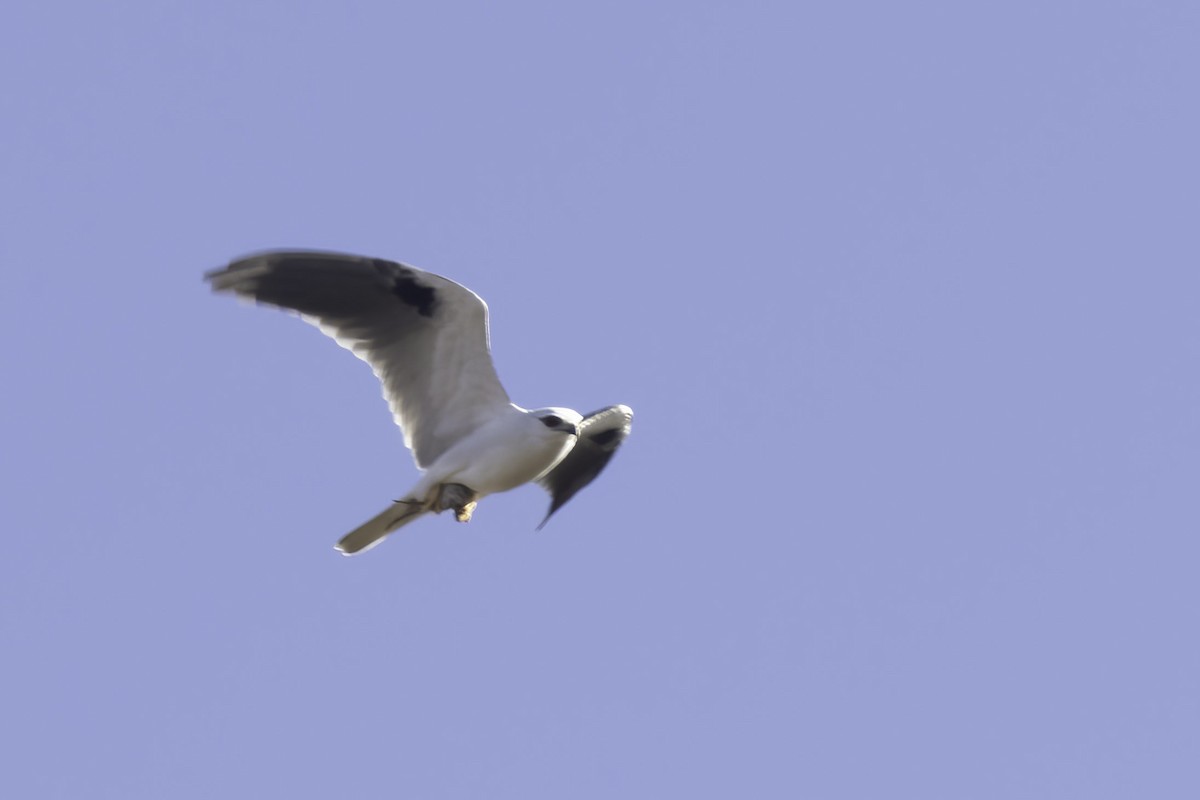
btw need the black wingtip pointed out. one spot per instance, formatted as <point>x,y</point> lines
<point>555,504</point>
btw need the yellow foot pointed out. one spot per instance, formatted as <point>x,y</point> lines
<point>463,514</point>
<point>458,497</point>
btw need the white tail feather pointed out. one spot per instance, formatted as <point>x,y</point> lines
<point>372,532</point>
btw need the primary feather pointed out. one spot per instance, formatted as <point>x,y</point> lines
<point>425,336</point>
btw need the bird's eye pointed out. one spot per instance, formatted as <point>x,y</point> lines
<point>551,421</point>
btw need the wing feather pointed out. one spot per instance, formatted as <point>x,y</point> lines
<point>600,434</point>
<point>424,336</point>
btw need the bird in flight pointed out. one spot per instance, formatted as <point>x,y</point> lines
<point>426,338</point>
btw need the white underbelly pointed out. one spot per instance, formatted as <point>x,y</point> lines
<point>499,458</point>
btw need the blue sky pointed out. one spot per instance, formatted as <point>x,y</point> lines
<point>904,297</point>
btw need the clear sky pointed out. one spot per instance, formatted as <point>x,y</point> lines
<point>905,297</point>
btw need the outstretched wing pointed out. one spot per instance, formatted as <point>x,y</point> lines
<point>600,434</point>
<point>425,337</point>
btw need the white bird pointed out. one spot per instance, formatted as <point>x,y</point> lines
<point>426,339</point>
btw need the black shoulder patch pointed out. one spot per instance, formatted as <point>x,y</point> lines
<point>405,286</point>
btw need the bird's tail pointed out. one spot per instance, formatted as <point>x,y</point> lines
<point>371,532</point>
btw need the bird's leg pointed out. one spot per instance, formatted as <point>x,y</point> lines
<point>462,499</point>
<point>415,506</point>
<point>463,514</point>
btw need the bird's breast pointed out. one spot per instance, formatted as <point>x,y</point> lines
<point>503,456</point>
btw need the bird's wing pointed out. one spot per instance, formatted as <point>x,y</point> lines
<point>425,337</point>
<point>600,434</point>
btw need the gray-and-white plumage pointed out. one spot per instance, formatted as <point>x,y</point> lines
<point>600,434</point>
<point>426,338</point>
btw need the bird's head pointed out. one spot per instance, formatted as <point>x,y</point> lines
<point>563,420</point>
